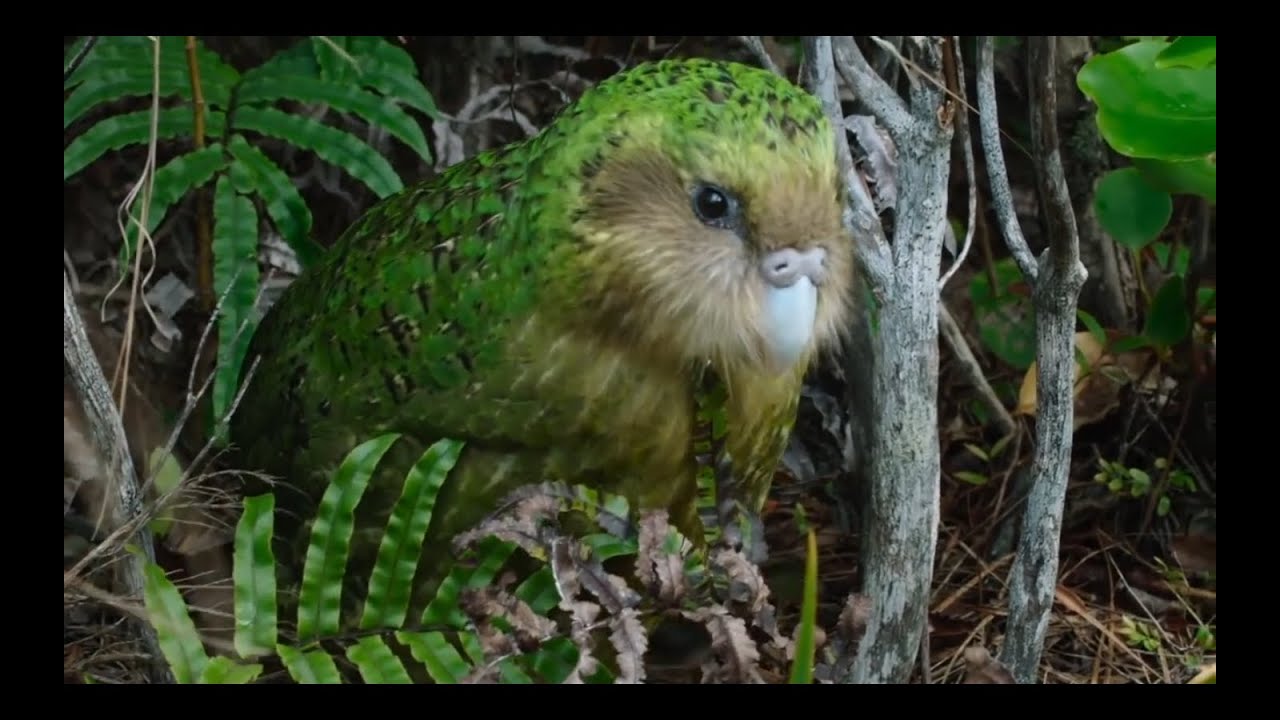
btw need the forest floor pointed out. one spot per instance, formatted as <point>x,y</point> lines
<point>1136,594</point>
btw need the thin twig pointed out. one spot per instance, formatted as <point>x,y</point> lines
<point>997,173</point>
<point>966,142</point>
<point>1056,292</point>
<point>955,340</point>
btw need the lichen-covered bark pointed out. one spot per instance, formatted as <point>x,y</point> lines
<point>1033,579</point>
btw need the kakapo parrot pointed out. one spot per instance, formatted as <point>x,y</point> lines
<point>559,304</point>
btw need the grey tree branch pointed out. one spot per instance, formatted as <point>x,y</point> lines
<point>998,175</point>
<point>860,216</point>
<point>1056,290</point>
<point>902,529</point>
<point>881,99</point>
<point>756,46</point>
<point>109,440</point>
<point>966,142</point>
<point>973,370</point>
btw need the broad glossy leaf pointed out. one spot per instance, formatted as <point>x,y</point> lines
<point>1151,112</point>
<point>1167,320</point>
<point>1193,51</point>
<point>1129,209</point>
<point>1195,177</point>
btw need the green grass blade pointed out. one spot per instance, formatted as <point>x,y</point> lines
<point>319,602</point>
<point>383,112</point>
<point>489,555</point>
<point>443,662</point>
<point>334,146</point>
<point>288,211</point>
<point>175,630</point>
<point>377,664</point>
<point>225,671</point>
<point>173,181</point>
<point>254,573</point>
<point>235,266</point>
<point>133,128</point>
<point>802,666</point>
<point>392,577</point>
<point>311,668</point>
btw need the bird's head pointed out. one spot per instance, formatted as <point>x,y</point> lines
<point>705,203</point>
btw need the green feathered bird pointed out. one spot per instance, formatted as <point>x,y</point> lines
<point>559,305</point>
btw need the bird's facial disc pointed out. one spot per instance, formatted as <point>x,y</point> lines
<point>791,280</point>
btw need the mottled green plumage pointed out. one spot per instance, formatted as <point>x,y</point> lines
<point>556,305</point>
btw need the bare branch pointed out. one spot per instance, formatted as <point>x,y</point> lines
<point>900,537</point>
<point>1034,575</point>
<point>972,370</point>
<point>756,46</point>
<point>861,218</point>
<point>998,175</point>
<point>110,442</point>
<point>881,99</point>
<point>966,142</point>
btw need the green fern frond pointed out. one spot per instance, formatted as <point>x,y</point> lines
<point>314,667</point>
<point>382,112</point>
<point>235,266</point>
<point>334,146</point>
<point>442,660</point>
<point>284,204</point>
<point>134,128</point>
<point>225,671</point>
<point>121,67</point>
<point>377,664</point>
<point>391,580</point>
<point>392,72</point>
<point>254,574</point>
<point>319,603</point>
<point>175,630</point>
<point>173,180</point>
<point>479,566</point>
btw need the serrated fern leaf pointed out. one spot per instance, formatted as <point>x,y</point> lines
<point>319,602</point>
<point>487,558</point>
<point>335,60</point>
<point>175,631</point>
<point>134,54</point>
<point>235,266</point>
<point>377,664</point>
<point>383,112</point>
<point>555,659</point>
<point>441,659</point>
<point>334,146</point>
<point>392,577</point>
<point>298,59</point>
<point>314,667</point>
<point>111,85</point>
<point>391,71</point>
<point>172,181</point>
<point>225,671</point>
<point>254,573</point>
<point>133,128</point>
<point>288,211</point>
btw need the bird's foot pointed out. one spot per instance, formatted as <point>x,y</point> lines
<point>743,530</point>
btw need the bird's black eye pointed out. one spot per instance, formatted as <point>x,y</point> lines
<point>711,204</point>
